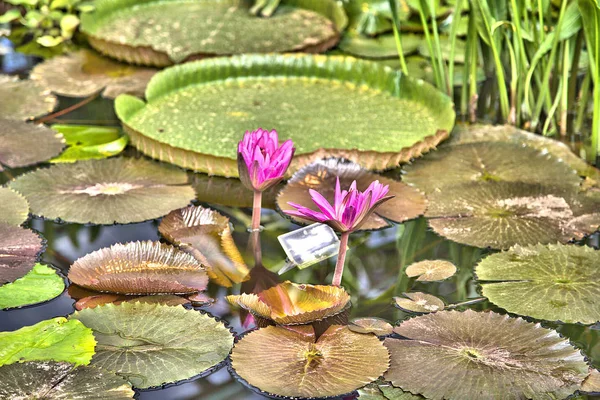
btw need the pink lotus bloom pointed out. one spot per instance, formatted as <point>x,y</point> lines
<point>262,162</point>
<point>350,209</point>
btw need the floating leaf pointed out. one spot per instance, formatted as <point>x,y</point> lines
<point>87,142</point>
<point>288,92</point>
<point>116,299</point>
<point>491,355</point>
<point>84,73</point>
<point>552,282</point>
<point>291,303</point>
<point>54,339</point>
<point>23,144</point>
<point>152,344</point>
<point>139,268</point>
<point>116,190</point>
<point>592,382</point>
<point>321,176</point>
<point>385,391</point>
<point>206,235</point>
<point>59,381</point>
<point>19,250</point>
<point>502,214</point>
<point>417,302</point>
<point>162,33</point>
<point>28,99</point>
<point>40,284</point>
<point>336,363</point>
<point>14,209</point>
<point>431,270</point>
<point>382,46</point>
<point>377,326</point>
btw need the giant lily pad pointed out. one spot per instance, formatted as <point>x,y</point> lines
<point>121,190</point>
<point>291,303</point>
<point>206,235</point>
<point>162,33</point>
<point>431,270</point>
<point>83,73</point>
<point>336,363</point>
<point>59,381</point>
<point>491,355</point>
<point>19,250</point>
<point>553,282</point>
<point>23,144</point>
<point>88,142</point>
<point>28,99</point>
<point>40,284</point>
<point>152,344</point>
<point>14,209</point>
<point>139,268</point>
<point>321,176</point>
<point>394,118</point>
<point>54,339</point>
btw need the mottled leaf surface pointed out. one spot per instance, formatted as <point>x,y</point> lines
<point>376,326</point>
<point>23,143</point>
<point>19,250</point>
<point>28,99</point>
<point>40,284</point>
<point>431,270</point>
<point>14,209</point>
<point>417,302</point>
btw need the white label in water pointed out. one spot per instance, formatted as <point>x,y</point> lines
<point>309,245</point>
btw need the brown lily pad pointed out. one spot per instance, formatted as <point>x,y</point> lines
<point>139,268</point>
<point>336,363</point>
<point>376,326</point>
<point>408,203</point>
<point>206,235</point>
<point>417,302</point>
<point>14,209</point>
<point>19,251</point>
<point>592,382</point>
<point>102,299</point>
<point>431,270</point>
<point>28,99</point>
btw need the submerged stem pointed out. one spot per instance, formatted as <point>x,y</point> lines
<point>339,266</point>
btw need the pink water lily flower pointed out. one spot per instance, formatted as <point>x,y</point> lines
<point>262,162</point>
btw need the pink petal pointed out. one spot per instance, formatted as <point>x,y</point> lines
<point>322,203</point>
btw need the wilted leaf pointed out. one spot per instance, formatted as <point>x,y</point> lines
<point>61,381</point>
<point>431,270</point>
<point>206,235</point>
<point>28,99</point>
<point>407,203</point>
<point>54,339</point>
<point>376,326</point>
<point>338,362</point>
<point>552,282</point>
<point>14,209</point>
<point>19,250</point>
<point>83,73</point>
<point>139,268</point>
<point>152,344</point>
<point>40,284</point>
<point>417,302</point>
<point>87,142</point>
<point>489,354</point>
<point>116,190</point>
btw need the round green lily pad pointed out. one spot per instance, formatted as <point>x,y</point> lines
<point>552,282</point>
<point>417,302</point>
<point>154,344</point>
<point>165,32</point>
<point>83,73</point>
<point>28,99</point>
<point>185,121</point>
<point>463,355</point>
<point>59,381</point>
<point>40,284</point>
<point>14,209</point>
<point>115,190</point>
<point>20,248</point>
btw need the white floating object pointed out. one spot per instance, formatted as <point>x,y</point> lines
<point>309,245</point>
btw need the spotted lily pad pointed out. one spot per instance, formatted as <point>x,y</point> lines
<point>291,303</point>
<point>84,73</point>
<point>408,203</point>
<point>377,326</point>
<point>552,282</point>
<point>23,144</point>
<point>40,284</point>
<point>162,33</point>
<point>14,209</point>
<point>417,302</point>
<point>58,381</point>
<point>139,268</point>
<point>403,117</point>
<point>206,235</point>
<point>19,250</point>
<point>336,363</point>
<point>153,344</point>
<point>380,47</point>
<point>54,339</point>
<point>116,190</point>
<point>88,142</point>
<point>489,354</point>
<point>431,270</point>
<point>28,99</point>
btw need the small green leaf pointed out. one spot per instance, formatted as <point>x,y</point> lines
<point>87,142</point>
<point>49,41</point>
<point>40,284</point>
<point>68,24</point>
<point>9,16</point>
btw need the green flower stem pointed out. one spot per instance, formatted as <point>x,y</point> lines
<point>339,266</point>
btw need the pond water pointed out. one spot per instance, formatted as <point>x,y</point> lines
<point>371,276</point>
